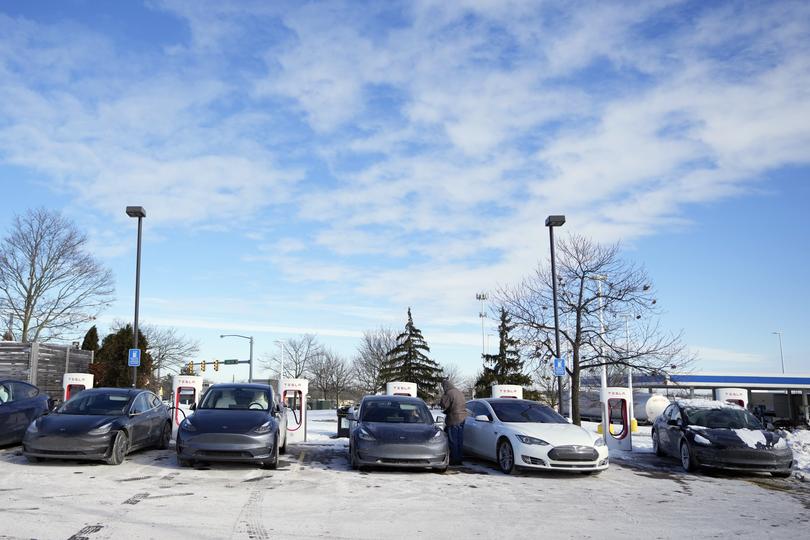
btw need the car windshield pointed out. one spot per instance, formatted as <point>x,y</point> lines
<point>396,412</point>
<point>96,403</point>
<point>725,417</point>
<point>235,398</point>
<point>526,411</point>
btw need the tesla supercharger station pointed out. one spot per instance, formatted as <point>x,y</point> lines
<point>507,391</point>
<point>73,383</point>
<point>294,395</point>
<point>738,396</point>
<point>616,401</point>
<point>398,388</point>
<point>186,391</point>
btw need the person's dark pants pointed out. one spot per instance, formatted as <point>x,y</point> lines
<point>455,435</point>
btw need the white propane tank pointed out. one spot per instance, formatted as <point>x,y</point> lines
<point>398,388</point>
<point>513,391</point>
<point>655,407</point>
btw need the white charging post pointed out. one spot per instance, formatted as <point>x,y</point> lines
<point>513,391</point>
<point>186,391</point>
<point>737,396</point>
<point>294,397</point>
<point>617,399</point>
<point>73,383</point>
<point>398,388</point>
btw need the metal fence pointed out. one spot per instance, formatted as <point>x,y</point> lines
<point>42,364</point>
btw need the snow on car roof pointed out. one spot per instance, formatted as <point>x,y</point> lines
<point>706,404</point>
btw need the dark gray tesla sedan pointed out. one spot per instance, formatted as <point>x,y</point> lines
<point>234,422</point>
<point>397,431</point>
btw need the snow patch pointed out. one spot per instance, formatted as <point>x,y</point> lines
<point>707,404</point>
<point>799,442</point>
<point>754,438</point>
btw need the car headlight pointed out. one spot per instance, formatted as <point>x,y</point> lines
<point>264,428</point>
<point>187,425</point>
<point>365,435</point>
<point>599,442</point>
<point>32,427</point>
<point>525,439</point>
<point>700,439</point>
<point>101,430</point>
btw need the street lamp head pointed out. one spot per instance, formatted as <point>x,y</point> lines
<point>136,211</point>
<point>555,221</point>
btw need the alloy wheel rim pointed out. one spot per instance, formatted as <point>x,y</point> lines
<point>684,456</point>
<point>506,457</point>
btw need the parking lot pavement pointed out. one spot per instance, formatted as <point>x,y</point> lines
<point>314,494</point>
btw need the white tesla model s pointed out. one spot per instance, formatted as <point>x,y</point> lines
<point>523,433</point>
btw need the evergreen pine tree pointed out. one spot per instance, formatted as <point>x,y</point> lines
<point>408,362</point>
<point>505,367</point>
<point>111,359</point>
<point>90,342</point>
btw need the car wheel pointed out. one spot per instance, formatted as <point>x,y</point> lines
<point>506,457</point>
<point>272,463</point>
<point>283,448</point>
<point>781,474</point>
<point>353,459</point>
<point>687,459</point>
<point>657,445</point>
<point>119,449</point>
<point>165,437</point>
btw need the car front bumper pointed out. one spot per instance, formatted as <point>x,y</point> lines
<point>561,458</point>
<point>225,446</point>
<point>91,447</point>
<point>405,455</point>
<point>744,459</point>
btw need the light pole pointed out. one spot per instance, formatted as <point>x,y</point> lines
<point>627,318</point>
<point>281,370</point>
<point>140,213</point>
<point>781,354</point>
<point>482,296</point>
<point>599,278</point>
<point>551,222</point>
<point>250,360</point>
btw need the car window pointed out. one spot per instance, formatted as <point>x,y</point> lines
<point>16,391</point>
<point>477,408</point>
<point>724,417</point>
<point>141,404</point>
<point>96,403</point>
<point>667,411</point>
<point>675,413</point>
<point>526,411</point>
<point>154,401</point>
<point>237,398</point>
<point>396,412</point>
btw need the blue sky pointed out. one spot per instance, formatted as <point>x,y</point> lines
<point>319,167</point>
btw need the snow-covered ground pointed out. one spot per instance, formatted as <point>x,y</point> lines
<point>315,494</point>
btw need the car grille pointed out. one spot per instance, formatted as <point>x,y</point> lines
<point>573,453</point>
<point>222,454</point>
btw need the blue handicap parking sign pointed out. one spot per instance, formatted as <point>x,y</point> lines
<point>134,358</point>
<point>559,367</point>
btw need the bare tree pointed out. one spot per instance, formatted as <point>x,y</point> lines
<point>298,353</point>
<point>453,373</point>
<point>319,375</point>
<point>371,356</point>
<point>169,349</point>
<point>592,325</point>
<point>49,282</point>
<point>341,374</point>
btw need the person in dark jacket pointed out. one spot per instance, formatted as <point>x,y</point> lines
<point>455,410</point>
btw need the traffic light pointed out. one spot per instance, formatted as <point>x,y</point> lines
<point>216,365</point>
<point>202,365</point>
<point>191,367</point>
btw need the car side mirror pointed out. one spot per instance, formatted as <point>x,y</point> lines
<point>482,418</point>
<point>671,422</point>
